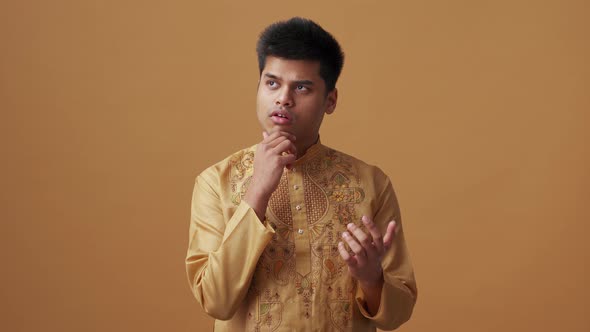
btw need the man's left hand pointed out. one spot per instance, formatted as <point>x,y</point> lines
<point>369,249</point>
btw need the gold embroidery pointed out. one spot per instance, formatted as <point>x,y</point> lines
<point>330,185</point>
<point>241,168</point>
<point>315,200</point>
<point>279,202</point>
<point>268,312</point>
<point>277,262</point>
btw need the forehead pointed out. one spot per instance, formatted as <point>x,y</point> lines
<point>292,70</point>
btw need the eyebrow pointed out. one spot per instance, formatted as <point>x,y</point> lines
<point>302,82</point>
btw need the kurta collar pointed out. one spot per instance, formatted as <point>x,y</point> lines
<point>312,151</point>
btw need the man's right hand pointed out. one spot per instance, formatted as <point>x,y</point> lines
<point>273,154</point>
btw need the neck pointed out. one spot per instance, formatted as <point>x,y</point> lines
<point>304,146</point>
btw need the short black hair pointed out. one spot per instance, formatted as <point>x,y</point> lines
<point>302,39</point>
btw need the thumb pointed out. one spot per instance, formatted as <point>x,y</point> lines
<point>264,134</point>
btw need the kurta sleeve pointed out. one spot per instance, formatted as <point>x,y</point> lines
<point>399,292</point>
<point>222,251</point>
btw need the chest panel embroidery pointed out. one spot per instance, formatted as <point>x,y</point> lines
<point>332,192</point>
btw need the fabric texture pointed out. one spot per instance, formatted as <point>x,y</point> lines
<point>285,273</point>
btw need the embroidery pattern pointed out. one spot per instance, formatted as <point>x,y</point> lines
<point>277,262</point>
<point>242,166</point>
<point>315,199</point>
<point>334,173</point>
<point>341,309</point>
<point>268,312</point>
<point>279,202</point>
<point>305,289</point>
<point>335,176</point>
<point>332,265</point>
<point>332,193</point>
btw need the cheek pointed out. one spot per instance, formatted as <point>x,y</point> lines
<point>264,99</point>
<point>313,109</point>
<point>261,101</point>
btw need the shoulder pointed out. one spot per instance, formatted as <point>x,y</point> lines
<point>236,164</point>
<point>363,168</point>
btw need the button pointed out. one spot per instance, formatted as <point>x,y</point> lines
<point>295,187</point>
<point>300,231</point>
<point>293,169</point>
<point>298,207</point>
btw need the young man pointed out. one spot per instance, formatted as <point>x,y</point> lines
<point>290,235</point>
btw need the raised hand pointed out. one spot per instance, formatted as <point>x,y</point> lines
<point>273,154</point>
<point>368,251</point>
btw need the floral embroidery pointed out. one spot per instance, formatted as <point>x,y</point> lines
<point>340,313</point>
<point>341,308</point>
<point>268,311</point>
<point>305,289</point>
<point>277,262</point>
<point>242,166</point>
<point>332,193</point>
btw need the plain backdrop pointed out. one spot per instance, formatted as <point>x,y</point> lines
<point>477,110</point>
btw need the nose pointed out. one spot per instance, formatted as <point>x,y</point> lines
<point>284,98</point>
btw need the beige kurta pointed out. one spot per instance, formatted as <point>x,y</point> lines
<point>285,273</point>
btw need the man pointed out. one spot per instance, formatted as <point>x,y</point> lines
<point>290,235</point>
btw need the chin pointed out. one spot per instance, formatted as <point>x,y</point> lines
<point>271,128</point>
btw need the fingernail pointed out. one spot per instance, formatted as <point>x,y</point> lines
<point>345,234</point>
<point>365,219</point>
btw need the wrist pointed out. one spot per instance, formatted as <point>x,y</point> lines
<point>257,201</point>
<point>372,285</point>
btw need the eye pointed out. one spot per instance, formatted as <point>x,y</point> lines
<point>272,84</point>
<point>301,88</point>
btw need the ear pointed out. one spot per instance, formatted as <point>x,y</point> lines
<point>331,101</point>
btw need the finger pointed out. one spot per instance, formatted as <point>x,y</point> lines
<point>365,240</point>
<point>285,146</point>
<point>274,135</point>
<point>270,137</point>
<point>357,249</point>
<point>349,259</point>
<point>264,135</point>
<point>274,143</point>
<point>288,135</point>
<point>389,234</point>
<point>287,160</point>
<point>375,233</point>
<point>277,141</point>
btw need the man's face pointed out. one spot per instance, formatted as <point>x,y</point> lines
<point>292,97</point>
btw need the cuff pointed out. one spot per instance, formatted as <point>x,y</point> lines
<point>394,307</point>
<point>245,215</point>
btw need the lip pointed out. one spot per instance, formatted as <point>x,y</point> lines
<point>281,117</point>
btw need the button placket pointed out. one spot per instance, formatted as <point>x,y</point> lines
<point>302,245</point>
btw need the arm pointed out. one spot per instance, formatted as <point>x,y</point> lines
<point>222,255</point>
<point>398,292</point>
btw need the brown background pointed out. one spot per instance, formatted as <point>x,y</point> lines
<point>478,110</point>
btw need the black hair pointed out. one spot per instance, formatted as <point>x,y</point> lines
<point>302,39</point>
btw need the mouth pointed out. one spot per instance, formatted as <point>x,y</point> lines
<point>281,114</point>
<point>281,117</point>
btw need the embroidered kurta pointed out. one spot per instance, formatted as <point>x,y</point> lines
<point>285,273</point>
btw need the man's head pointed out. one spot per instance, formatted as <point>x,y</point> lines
<point>299,65</point>
<point>302,39</point>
